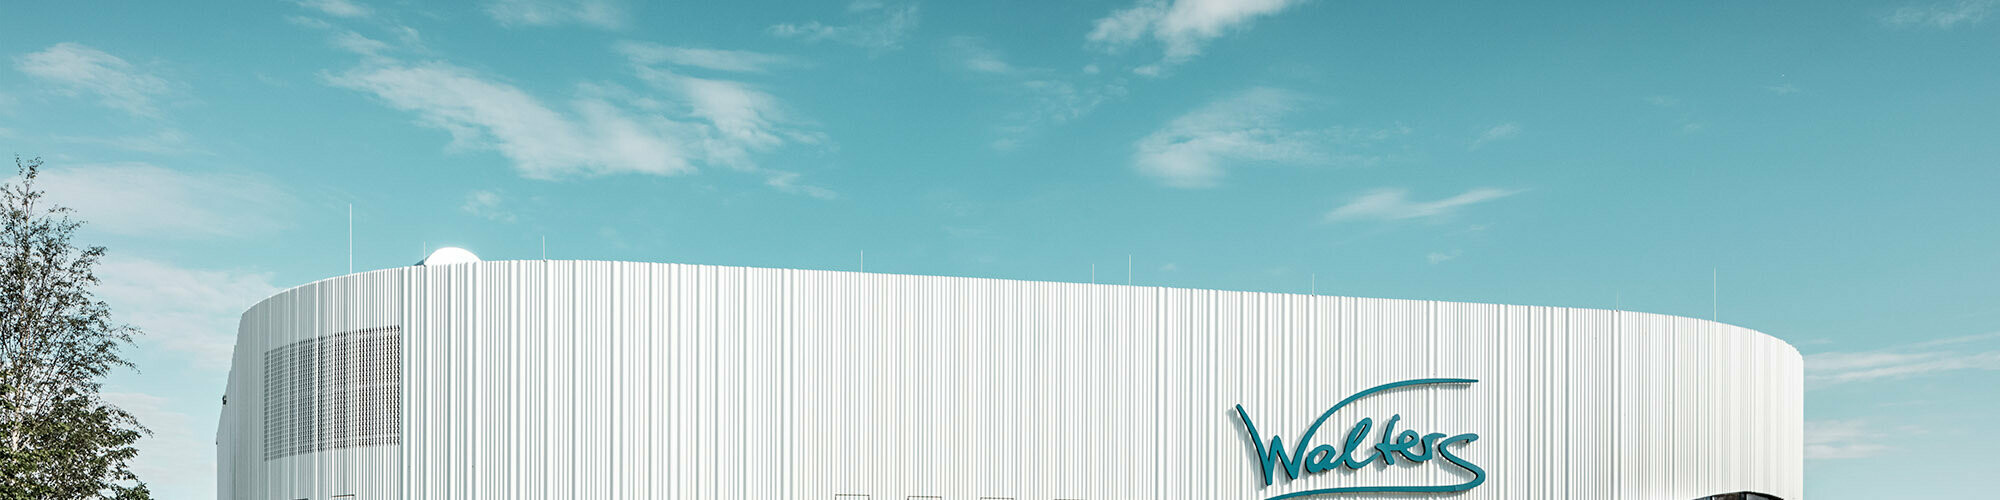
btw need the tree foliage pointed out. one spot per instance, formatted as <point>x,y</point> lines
<point>57,343</point>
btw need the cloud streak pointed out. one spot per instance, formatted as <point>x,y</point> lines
<point>1196,149</point>
<point>486,204</point>
<point>599,13</point>
<point>1051,99</point>
<point>1395,204</point>
<point>591,137</point>
<point>1955,354</point>
<point>880,28</point>
<point>141,199</point>
<point>1181,27</point>
<point>338,8</point>
<point>74,69</point>
<point>681,125</point>
<point>176,458</point>
<point>191,311</point>
<point>741,61</point>
<point>1498,133</point>
<point>1841,439</point>
<point>1946,15</point>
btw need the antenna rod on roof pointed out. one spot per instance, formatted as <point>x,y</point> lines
<point>545,247</point>
<point>350,238</point>
<point>1315,285</point>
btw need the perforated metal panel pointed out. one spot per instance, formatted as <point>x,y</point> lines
<point>339,391</point>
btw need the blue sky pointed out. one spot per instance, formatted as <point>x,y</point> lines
<point>1832,163</point>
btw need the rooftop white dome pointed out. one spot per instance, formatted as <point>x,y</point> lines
<point>448,256</point>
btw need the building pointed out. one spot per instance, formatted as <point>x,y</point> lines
<point>596,380</point>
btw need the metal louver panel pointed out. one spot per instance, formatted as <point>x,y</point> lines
<point>594,380</point>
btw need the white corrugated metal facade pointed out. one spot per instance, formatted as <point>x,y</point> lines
<point>594,380</point>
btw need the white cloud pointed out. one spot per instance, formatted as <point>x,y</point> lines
<point>486,203</point>
<point>741,120</point>
<point>1972,352</point>
<point>1182,27</point>
<point>882,28</point>
<point>604,129</point>
<point>1051,98</point>
<point>789,182</point>
<point>1838,439</point>
<point>337,8</point>
<point>358,44</point>
<point>972,55</point>
<point>600,13</point>
<point>594,137</point>
<point>1945,15</point>
<point>1439,257</point>
<point>176,459</point>
<point>192,311</point>
<point>309,22</point>
<point>78,69</point>
<point>146,200</point>
<point>647,53</point>
<point>1395,204</point>
<point>164,142</point>
<point>1195,149</point>
<point>1499,132</point>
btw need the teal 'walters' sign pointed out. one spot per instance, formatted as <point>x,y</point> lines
<point>1414,447</point>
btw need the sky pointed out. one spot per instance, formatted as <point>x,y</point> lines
<point>1823,171</point>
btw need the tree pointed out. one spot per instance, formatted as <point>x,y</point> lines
<point>57,343</point>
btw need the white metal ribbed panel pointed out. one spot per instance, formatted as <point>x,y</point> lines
<point>576,379</point>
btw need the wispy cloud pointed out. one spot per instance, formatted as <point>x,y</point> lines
<point>1945,15</point>
<point>1499,132</point>
<point>971,54</point>
<point>146,200</point>
<point>1436,258</point>
<point>1955,354</point>
<point>1182,27</point>
<point>790,182</point>
<point>75,69</point>
<point>648,53</point>
<point>739,119</point>
<point>338,8</point>
<point>191,311</point>
<point>1395,204</point>
<point>487,204</point>
<point>606,14</point>
<point>359,44</point>
<point>1195,149</point>
<point>878,27</point>
<point>176,458</point>
<point>594,137</point>
<point>1839,439</point>
<point>1051,98</point>
<point>169,141</point>
<point>682,124</point>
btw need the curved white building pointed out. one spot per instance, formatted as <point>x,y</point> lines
<point>598,380</point>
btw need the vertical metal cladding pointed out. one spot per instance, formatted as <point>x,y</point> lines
<point>572,379</point>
